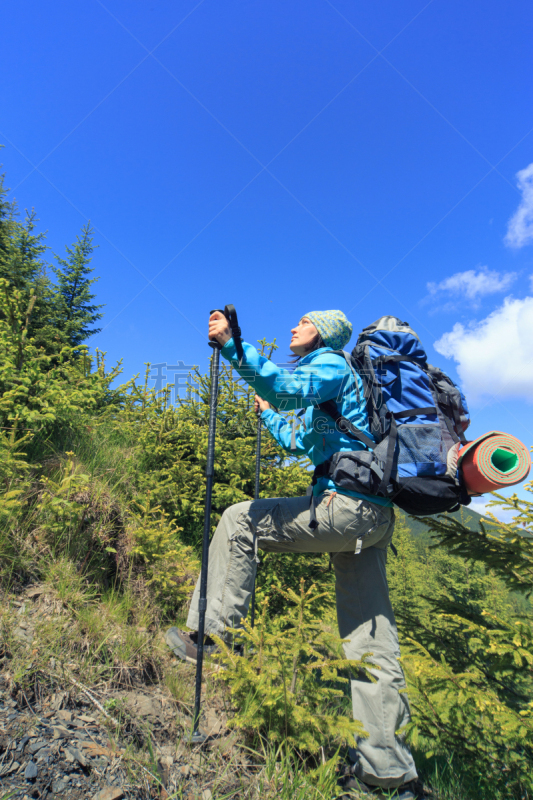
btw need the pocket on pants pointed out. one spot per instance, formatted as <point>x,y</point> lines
<point>370,524</point>
<point>269,523</point>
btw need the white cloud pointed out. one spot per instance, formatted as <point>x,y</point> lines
<point>494,356</point>
<point>520,226</point>
<point>480,504</point>
<point>472,284</point>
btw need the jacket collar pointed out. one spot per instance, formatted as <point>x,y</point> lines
<point>310,356</point>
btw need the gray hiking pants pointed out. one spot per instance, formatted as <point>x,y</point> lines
<point>358,533</point>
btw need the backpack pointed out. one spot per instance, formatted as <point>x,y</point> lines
<point>417,417</point>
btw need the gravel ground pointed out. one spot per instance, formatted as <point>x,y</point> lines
<point>67,750</point>
<point>102,743</point>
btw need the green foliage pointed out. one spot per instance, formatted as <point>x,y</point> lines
<point>75,312</point>
<point>460,712</point>
<point>170,567</point>
<point>63,312</point>
<point>55,399</point>
<point>468,647</point>
<point>38,390</point>
<point>287,688</point>
<point>110,637</point>
<point>66,514</point>
<point>72,518</point>
<point>286,776</point>
<point>60,514</point>
<point>279,572</point>
<point>20,250</point>
<point>41,394</point>
<point>503,548</point>
<point>23,267</point>
<point>14,471</point>
<point>13,466</point>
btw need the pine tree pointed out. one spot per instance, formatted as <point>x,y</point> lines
<point>62,314</point>
<point>21,249</point>
<point>22,266</point>
<point>7,214</point>
<point>75,311</point>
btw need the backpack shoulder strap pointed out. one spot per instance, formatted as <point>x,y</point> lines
<point>344,424</point>
<point>445,393</point>
<point>356,376</point>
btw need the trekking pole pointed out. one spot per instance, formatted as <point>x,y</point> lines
<point>256,497</point>
<point>231,315</point>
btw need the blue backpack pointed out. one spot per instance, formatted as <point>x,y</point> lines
<point>417,415</point>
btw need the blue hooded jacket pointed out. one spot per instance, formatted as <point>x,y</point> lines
<point>321,375</point>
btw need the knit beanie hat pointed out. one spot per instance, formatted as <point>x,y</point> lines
<point>333,327</point>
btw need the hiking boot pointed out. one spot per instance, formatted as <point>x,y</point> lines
<point>354,783</point>
<point>185,645</point>
<point>412,790</point>
<point>407,791</point>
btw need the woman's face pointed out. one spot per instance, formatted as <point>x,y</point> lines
<point>303,337</point>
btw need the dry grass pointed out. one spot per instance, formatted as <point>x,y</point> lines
<point>60,639</point>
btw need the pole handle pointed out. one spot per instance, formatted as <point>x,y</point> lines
<point>213,343</point>
<point>231,315</point>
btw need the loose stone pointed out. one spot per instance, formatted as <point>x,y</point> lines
<point>31,771</point>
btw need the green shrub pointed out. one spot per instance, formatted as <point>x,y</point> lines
<point>288,687</point>
<point>170,567</point>
<point>74,517</point>
<point>39,389</point>
<point>279,572</point>
<point>468,648</point>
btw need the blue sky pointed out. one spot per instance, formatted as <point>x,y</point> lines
<point>287,157</point>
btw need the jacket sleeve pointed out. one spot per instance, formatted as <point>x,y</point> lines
<point>308,385</point>
<point>281,430</point>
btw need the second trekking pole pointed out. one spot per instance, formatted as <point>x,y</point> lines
<point>256,497</point>
<point>231,315</point>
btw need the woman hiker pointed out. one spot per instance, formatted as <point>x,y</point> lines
<point>356,529</point>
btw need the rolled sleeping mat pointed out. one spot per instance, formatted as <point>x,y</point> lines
<point>493,461</point>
